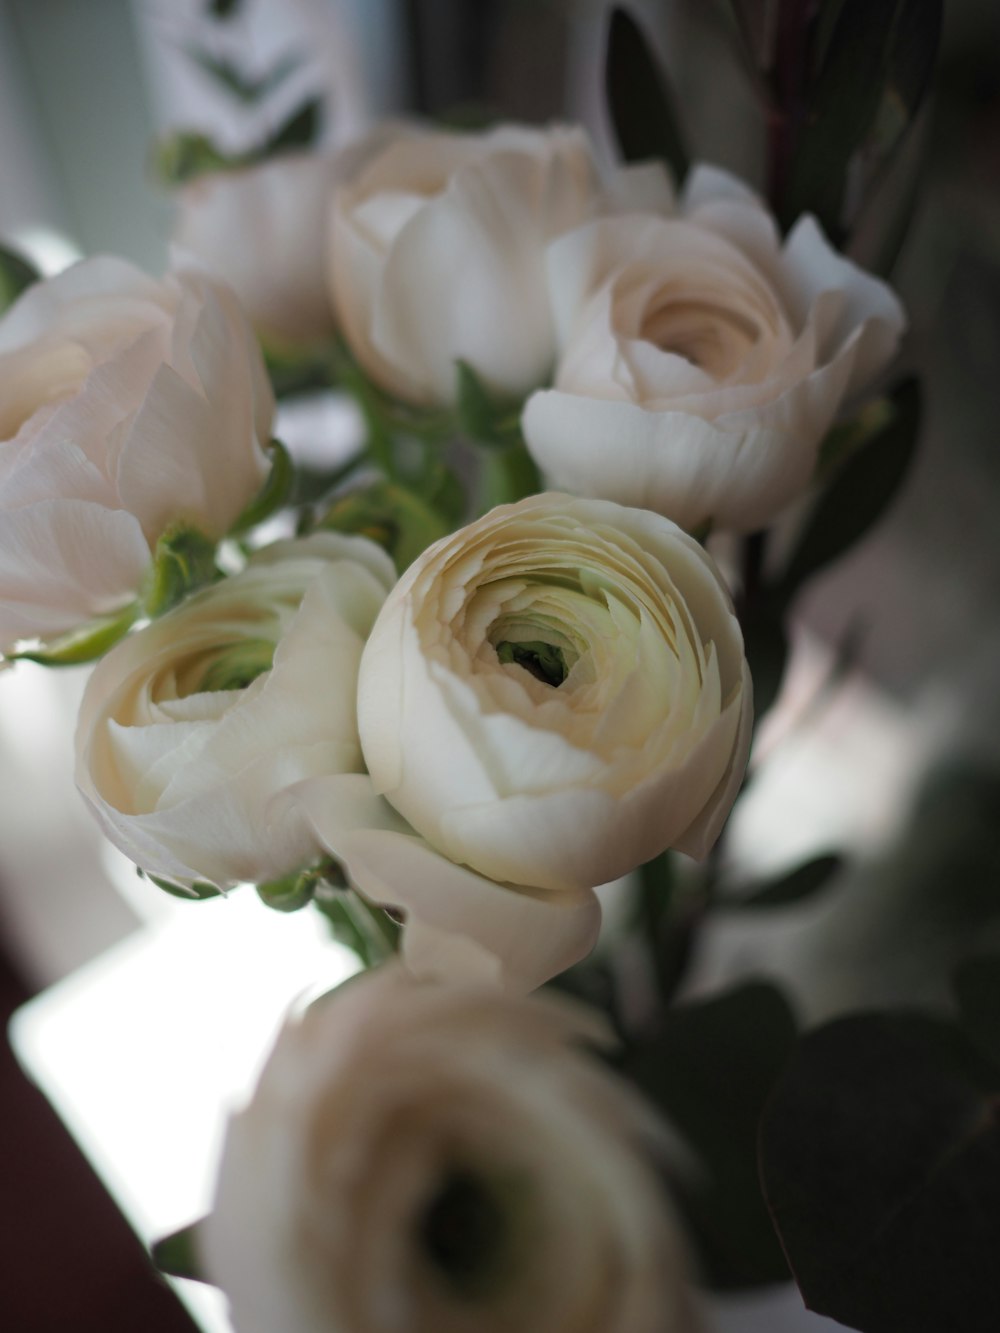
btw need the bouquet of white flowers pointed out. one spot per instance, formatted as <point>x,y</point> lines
<point>511,652</point>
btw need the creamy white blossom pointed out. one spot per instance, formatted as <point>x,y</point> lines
<point>193,727</point>
<point>557,693</point>
<point>263,229</point>
<point>437,244</point>
<point>127,405</point>
<point>438,1159</point>
<point>701,359</point>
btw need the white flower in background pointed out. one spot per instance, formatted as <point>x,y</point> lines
<point>126,406</point>
<point>702,360</point>
<point>557,693</point>
<point>263,228</point>
<point>437,244</point>
<point>191,727</point>
<point>435,1159</point>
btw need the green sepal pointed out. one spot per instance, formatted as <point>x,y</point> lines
<point>177,1254</point>
<point>390,515</point>
<point>292,892</point>
<point>183,561</point>
<point>272,495</point>
<point>199,891</point>
<point>85,644</point>
<point>482,417</point>
<point>16,275</point>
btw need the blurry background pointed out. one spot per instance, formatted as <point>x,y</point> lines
<point>901,762</point>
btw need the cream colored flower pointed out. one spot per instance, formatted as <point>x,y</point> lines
<point>437,245</point>
<point>193,727</point>
<point>263,230</point>
<point>701,361</point>
<point>432,1159</point>
<point>126,406</point>
<point>557,693</point>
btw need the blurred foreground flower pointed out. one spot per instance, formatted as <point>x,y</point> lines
<point>435,1159</point>
<point>191,727</point>
<point>263,229</point>
<point>702,361</point>
<point>557,693</point>
<point>127,407</point>
<point>437,244</point>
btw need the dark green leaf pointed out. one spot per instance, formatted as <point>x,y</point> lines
<point>639,100</point>
<point>710,1069</point>
<point>249,89</point>
<point>85,644</point>
<point>273,493</point>
<point>859,492</point>
<point>977,988</point>
<point>880,1159</point>
<point>300,130</point>
<point>177,1254</point>
<point>16,274</point>
<point>878,55</point>
<point>766,645</point>
<point>795,886</point>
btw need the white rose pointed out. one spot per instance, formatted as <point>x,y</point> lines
<point>191,728</point>
<point>432,1159</point>
<point>263,229</point>
<point>557,693</point>
<point>437,245</point>
<point>701,361</point>
<point>126,406</point>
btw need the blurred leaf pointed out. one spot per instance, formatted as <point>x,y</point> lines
<point>183,155</point>
<point>300,130</point>
<point>177,1254</point>
<point>858,493</point>
<point>977,988</point>
<point>272,495</point>
<point>197,892</point>
<point>640,102</point>
<point>16,274</point>
<point>390,515</point>
<point>480,416</point>
<point>880,1159</point>
<point>248,88</point>
<point>766,644</point>
<point>710,1069</point>
<point>85,644</point>
<point>878,55</point>
<point>796,885</point>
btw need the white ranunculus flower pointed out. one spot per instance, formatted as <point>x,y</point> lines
<point>557,693</point>
<point>437,244</point>
<point>702,360</point>
<point>126,406</point>
<point>439,1159</point>
<point>263,229</point>
<point>193,727</point>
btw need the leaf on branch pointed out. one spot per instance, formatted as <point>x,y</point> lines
<point>795,886</point>
<point>880,1159</point>
<point>177,1254</point>
<point>710,1070</point>
<point>249,89</point>
<point>859,493</point>
<point>16,274</point>
<point>639,99</point>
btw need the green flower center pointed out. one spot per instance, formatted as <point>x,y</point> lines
<point>545,661</point>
